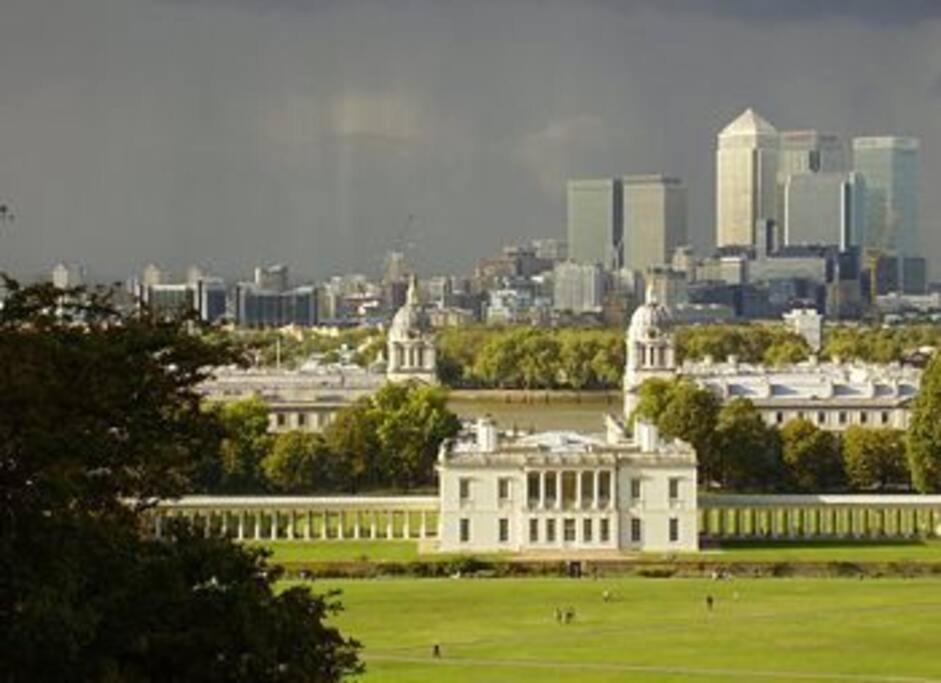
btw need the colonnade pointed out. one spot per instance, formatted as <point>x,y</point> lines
<point>579,489</point>
<point>312,519</point>
<point>835,521</point>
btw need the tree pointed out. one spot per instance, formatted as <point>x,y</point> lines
<point>924,431</point>
<point>245,444</point>
<point>301,462</point>
<point>748,452</point>
<point>392,437</point>
<point>413,420</point>
<point>99,417</point>
<point>352,437</point>
<point>691,415</point>
<point>812,456</point>
<point>653,397</point>
<point>874,458</point>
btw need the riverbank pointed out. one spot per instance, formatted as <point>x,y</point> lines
<point>536,396</point>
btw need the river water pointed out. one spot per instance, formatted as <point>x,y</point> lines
<point>540,412</point>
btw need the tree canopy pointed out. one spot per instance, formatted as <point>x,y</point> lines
<point>99,417</point>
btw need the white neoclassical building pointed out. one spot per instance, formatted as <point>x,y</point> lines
<point>411,344</point>
<point>557,491</point>
<point>832,395</point>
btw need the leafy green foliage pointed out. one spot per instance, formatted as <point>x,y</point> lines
<point>300,462</point>
<point>812,457</point>
<point>772,344</point>
<point>924,431</point>
<point>874,458</point>
<point>392,437</point>
<point>530,358</point>
<point>98,417</point>
<point>747,452</point>
<point>245,444</point>
<point>879,344</point>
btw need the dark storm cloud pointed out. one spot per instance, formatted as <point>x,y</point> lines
<point>870,11</point>
<point>230,132</point>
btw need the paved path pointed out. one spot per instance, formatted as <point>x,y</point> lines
<point>637,669</point>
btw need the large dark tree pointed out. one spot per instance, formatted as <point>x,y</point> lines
<point>747,451</point>
<point>99,417</point>
<point>812,457</point>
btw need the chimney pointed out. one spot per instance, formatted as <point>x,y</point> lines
<point>646,436</point>
<point>486,435</point>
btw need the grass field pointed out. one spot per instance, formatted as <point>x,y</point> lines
<point>651,630</point>
<point>405,551</point>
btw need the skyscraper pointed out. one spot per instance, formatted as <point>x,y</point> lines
<point>810,151</point>
<point>823,208</point>
<point>889,166</point>
<point>654,215</point>
<point>746,178</point>
<point>595,224</point>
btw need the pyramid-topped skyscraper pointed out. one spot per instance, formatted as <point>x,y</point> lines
<point>746,178</point>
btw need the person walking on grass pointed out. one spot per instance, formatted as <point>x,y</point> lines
<point>710,601</point>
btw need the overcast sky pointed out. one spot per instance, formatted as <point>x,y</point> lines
<point>232,132</point>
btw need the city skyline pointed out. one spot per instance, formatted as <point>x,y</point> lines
<point>232,133</point>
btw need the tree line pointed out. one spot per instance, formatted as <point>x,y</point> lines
<point>738,451</point>
<point>388,440</point>
<point>530,358</point>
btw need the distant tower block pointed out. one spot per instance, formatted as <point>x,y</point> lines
<point>411,345</point>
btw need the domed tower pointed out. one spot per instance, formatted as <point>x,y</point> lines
<point>650,349</point>
<point>411,345</point>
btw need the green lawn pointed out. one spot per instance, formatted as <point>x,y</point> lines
<point>652,630</point>
<point>404,551</point>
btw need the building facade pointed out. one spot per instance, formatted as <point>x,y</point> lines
<point>654,215</point>
<point>746,178</point>
<point>889,166</point>
<point>833,395</point>
<point>823,208</point>
<point>595,224</point>
<point>557,491</point>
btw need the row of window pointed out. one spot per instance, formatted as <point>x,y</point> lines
<point>863,417</point>
<point>504,487</point>
<point>302,420</point>
<point>545,530</point>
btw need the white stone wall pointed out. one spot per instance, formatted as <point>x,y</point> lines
<point>655,508</point>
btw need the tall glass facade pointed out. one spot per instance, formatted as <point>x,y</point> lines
<point>889,166</point>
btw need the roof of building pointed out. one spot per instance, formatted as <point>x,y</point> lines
<point>749,122</point>
<point>808,381</point>
<point>411,319</point>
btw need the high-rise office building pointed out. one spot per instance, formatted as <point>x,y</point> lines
<point>823,208</point>
<point>746,178</point>
<point>273,277</point>
<point>211,298</point>
<point>654,214</point>
<point>595,224</point>
<point>889,166</point>
<point>810,151</point>
<point>257,307</point>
